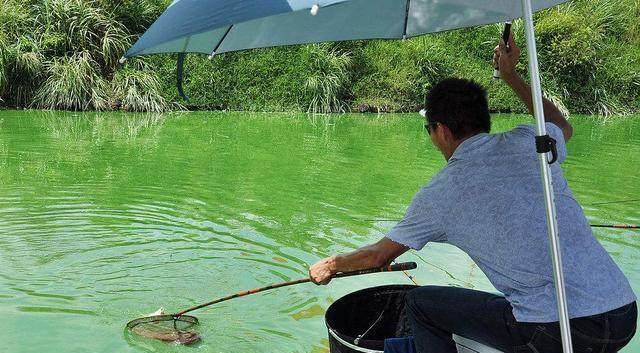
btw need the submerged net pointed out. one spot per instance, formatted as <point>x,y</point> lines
<point>167,328</point>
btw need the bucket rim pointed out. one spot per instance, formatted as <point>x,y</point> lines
<point>408,287</point>
<point>351,345</point>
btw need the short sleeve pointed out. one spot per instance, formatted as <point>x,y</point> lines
<point>420,224</point>
<point>556,133</point>
<point>553,130</point>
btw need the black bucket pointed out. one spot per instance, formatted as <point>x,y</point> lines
<point>361,321</point>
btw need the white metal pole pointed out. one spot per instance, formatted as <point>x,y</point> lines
<point>545,170</point>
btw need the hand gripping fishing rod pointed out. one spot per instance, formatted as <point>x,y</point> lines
<point>505,38</point>
<point>393,268</point>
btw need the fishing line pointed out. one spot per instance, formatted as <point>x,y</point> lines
<point>614,226</point>
<point>407,274</point>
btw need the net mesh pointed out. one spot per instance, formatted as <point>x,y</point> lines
<point>167,328</point>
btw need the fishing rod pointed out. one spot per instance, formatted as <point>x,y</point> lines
<point>405,266</point>
<point>616,226</point>
<point>176,326</point>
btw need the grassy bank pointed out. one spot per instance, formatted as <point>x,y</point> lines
<point>589,55</point>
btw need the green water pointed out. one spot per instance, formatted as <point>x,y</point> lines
<point>105,217</point>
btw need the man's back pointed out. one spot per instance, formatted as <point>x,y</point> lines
<point>488,201</point>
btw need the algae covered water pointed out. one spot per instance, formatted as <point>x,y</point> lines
<point>106,217</point>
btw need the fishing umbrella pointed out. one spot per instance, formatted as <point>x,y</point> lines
<point>218,26</point>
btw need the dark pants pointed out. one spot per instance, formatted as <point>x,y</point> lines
<point>437,312</point>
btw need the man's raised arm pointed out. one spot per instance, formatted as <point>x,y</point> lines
<point>506,60</point>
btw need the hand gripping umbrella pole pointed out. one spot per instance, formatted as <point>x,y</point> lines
<point>178,327</point>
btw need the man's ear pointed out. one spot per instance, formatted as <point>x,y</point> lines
<point>447,135</point>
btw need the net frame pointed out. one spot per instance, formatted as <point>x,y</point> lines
<point>191,320</point>
<point>184,335</point>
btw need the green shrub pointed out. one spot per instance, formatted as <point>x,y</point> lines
<point>585,48</point>
<point>73,83</point>
<point>23,69</point>
<point>394,76</point>
<point>14,18</point>
<point>633,30</point>
<point>135,15</point>
<point>257,80</point>
<point>568,43</point>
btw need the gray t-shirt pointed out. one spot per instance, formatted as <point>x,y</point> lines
<point>488,201</point>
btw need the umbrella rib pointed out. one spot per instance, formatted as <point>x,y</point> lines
<point>406,20</point>
<point>220,42</point>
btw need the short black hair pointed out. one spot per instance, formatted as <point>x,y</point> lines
<point>459,104</point>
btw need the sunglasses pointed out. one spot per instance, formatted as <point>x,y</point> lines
<point>430,126</point>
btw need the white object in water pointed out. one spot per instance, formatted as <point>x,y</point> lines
<point>158,312</point>
<point>314,9</point>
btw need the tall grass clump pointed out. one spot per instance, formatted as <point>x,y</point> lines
<point>73,83</point>
<point>80,26</point>
<point>327,78</point>
<point>138,91</point>
<point>63,54</point>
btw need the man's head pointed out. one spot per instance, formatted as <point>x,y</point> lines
<point>456,109</point>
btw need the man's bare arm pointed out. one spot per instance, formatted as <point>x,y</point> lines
<point>375,255</point>
<point>506,61</point>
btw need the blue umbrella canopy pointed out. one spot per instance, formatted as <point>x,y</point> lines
<point>219,26</point>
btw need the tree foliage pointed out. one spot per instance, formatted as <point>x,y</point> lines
<point>63,54</point>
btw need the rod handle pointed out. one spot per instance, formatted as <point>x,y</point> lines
<point>505,38</point>
<point>404,266</point>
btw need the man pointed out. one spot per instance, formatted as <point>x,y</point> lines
<point>488,201</point>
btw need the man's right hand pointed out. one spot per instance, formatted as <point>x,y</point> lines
<point>506,61</point>
<point>321,271</point>
<point>370,256</point>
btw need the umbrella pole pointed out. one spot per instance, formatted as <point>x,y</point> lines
<point>545,171</point>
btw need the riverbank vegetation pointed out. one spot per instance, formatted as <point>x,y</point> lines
<point>63,54</point>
